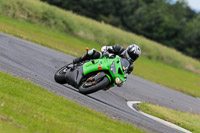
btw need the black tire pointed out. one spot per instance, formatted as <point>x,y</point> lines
<point>60,75</point>
<point>100,85</point>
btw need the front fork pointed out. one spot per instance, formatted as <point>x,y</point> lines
<point>110,85</point>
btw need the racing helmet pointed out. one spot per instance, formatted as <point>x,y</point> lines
<point>132,52</point>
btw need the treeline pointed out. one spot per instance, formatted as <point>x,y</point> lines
<point>172,24</point>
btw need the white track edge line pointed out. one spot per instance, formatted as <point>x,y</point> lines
<point>131,103</point>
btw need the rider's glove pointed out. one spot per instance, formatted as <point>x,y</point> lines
<point>106,54</point>
<point>104,49</point>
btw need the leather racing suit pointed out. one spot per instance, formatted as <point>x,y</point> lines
<point>107,51</point>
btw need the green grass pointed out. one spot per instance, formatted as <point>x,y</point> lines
<point>150,69</point>
<point>41,13</point>
<point>46,37</point>
<point>188,121</point>
<point>166,75</point>
<point>27,108</point>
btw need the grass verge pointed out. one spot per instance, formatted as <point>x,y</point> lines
<point>150,69</point>
<point>188,121</point>
<point>27,108</point>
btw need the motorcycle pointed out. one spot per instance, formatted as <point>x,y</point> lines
<point>94,75</point>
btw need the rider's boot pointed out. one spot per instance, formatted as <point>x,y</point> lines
<point>78,59</point>
<point>91,54</point>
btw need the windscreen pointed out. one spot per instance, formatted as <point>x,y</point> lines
<point>125,64</point>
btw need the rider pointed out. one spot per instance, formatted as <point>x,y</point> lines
<point>131,53</point>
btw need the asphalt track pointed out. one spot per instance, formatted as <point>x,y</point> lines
<point>28,60</point>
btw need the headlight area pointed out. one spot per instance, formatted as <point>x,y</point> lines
<point>118,82</point>
<point>112,68</point>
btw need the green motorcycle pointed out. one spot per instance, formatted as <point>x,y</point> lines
<point>94,75</point>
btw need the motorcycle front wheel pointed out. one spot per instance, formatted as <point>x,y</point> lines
<point>90,86</point>
<point>60,75</point>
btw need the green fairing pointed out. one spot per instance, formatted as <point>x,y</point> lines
<point>104,64</point>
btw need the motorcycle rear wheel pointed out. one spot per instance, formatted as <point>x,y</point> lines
<point>97,85</point>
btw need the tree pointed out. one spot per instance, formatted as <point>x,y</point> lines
<point>190,38</point>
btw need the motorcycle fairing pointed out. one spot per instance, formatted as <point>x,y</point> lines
<point>105,64</point>
<point>73,77</point>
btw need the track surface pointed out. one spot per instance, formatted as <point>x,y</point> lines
<point>28,60</point>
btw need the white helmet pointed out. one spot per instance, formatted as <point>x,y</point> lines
<point>132,52</point>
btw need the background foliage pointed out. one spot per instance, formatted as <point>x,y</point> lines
<point>172,24</point>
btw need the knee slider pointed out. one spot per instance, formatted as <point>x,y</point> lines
<point>91,52</point>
